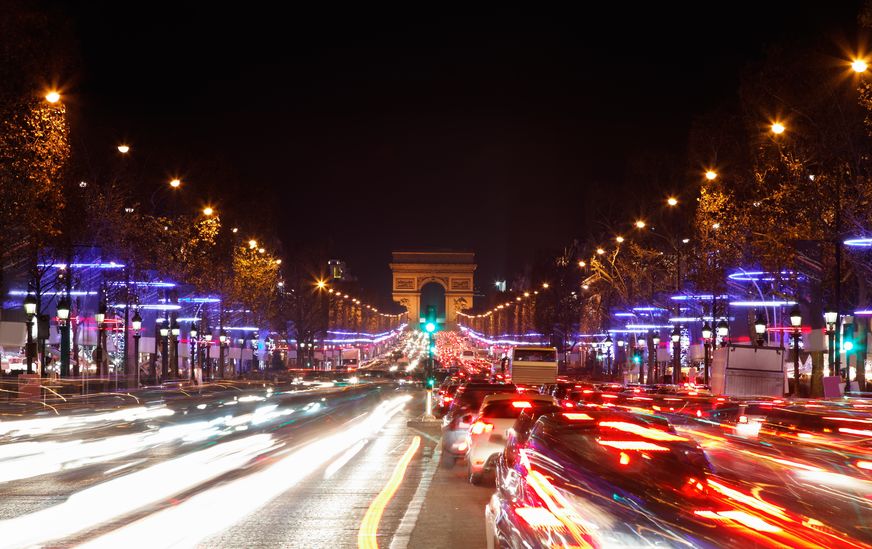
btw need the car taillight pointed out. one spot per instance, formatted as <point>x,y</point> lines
<point>743,419</point>
<point>447,398</point>
<point>538,517</point>
<point>568,404</point>
<point>480,427</point>
<point>587,392</point>
<point>521,404</point>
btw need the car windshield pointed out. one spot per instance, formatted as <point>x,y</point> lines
<point>514,408</point>
<point>535,355</point>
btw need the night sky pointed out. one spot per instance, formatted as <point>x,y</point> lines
<point>502,132</point>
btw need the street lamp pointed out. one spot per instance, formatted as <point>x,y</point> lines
<point>796,324</point>
<point>859,65</point>
<point>706,343</point>
<point>64,329</point>
<point>676,352</point>
<point>193,355</point>
<point>137,327</point>
<point>711,175</point>
<point>778,128</point>
<point>222,341</point>
<point>608,348</point>
<point>831,316</point>
<point>165,346</point>
<point>207,339</point>
<point>723,331</point>
<point>53,96</point>
<point>174,331</point>
<point>760,329</point>
<point>100,318</point>
<point>30,312</point>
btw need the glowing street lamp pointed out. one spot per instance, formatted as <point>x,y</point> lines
<point>123,149</point>
<point>252,243</point>
<point>760,329</point>
<point>619,239</point>
<point>711,175</point>
<point>176,183</point>
<point>53,96</point>
<point>778,128</point>
<point>706,344</point>
<point>207,211</point>
<point>672,201</point>
<point>796,324</point>
<point>859,65</point>
<point>640,224</point>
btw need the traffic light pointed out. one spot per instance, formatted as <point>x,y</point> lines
<point>429,323</point>
<point>431,382</point>
<point>637,357</point>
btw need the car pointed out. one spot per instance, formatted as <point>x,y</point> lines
<point>596,477</point>
<point>486,437</point>
<point>461,414</point>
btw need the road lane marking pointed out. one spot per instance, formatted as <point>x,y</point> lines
<point>366,535</point>
<point>404,532</point>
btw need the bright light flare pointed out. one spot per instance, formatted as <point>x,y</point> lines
<point>859,65</point>
<point>53,96</point>
<point>207,211</point>
<point>640,224</point>
<point>176,183</point>
<point>672,201</point>
<point>124,149</point>
<point>778,128</point>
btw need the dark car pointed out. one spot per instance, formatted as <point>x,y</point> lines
<point>461,415</point>
<point>621,469</point>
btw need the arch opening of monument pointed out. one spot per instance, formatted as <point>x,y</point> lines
<point>441,278</point>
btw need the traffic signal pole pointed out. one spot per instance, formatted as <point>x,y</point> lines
<point>429,376</point>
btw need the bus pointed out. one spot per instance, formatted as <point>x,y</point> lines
<point>533,365</point>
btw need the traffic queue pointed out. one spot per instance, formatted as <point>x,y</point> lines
<point>582,464</point>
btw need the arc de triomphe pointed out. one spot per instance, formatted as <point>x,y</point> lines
<point>412,270</point>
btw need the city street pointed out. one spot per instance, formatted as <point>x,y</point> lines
<point>238,468</point>
<point>361,277</point>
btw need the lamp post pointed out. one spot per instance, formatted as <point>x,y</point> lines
<point>608,349</point>
<point>99,351</point>
<point>641,344</point>
<point>64,328</point>
<point>30,312</point>
<point>174,332</point>
<point>706,343</point>
<point>760,329</point>
<point>193,354</point>
<point>723,331</point>
<point>655,345</point>
<point>676,352</point>
<point>222,340</point>
<point>137,333</point>
<point>164,359</point>
<point>207,369</point>
<point>796,324</point>
<point>831,316</point>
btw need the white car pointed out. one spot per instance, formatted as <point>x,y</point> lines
<point>486,437</point>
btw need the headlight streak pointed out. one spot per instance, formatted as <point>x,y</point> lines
<point>193,520</point>
<point>112,499</point>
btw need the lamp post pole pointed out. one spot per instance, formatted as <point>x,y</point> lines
<point>831,316</point>
<point>193,355</point>
<point>100,350</point>
<point>222,340</point>
<point>164,350</point>
<point>64,327</point>
<point>796,324</point>
<point>706,343</point>
<point>174,332</point>
<point>676,353</point>
<point>30,312</point>
<point>137,333</point>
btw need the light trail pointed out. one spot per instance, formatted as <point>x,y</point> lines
<point>366,535</point>
<point>191,521</point>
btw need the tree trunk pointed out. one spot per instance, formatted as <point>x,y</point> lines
<point>817,374</point>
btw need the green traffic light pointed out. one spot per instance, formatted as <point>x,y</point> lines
<point>848,346</point>
<point>430,327</point>
<point>431,382</point>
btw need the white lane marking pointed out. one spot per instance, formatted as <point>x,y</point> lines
<point>410,517</point>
